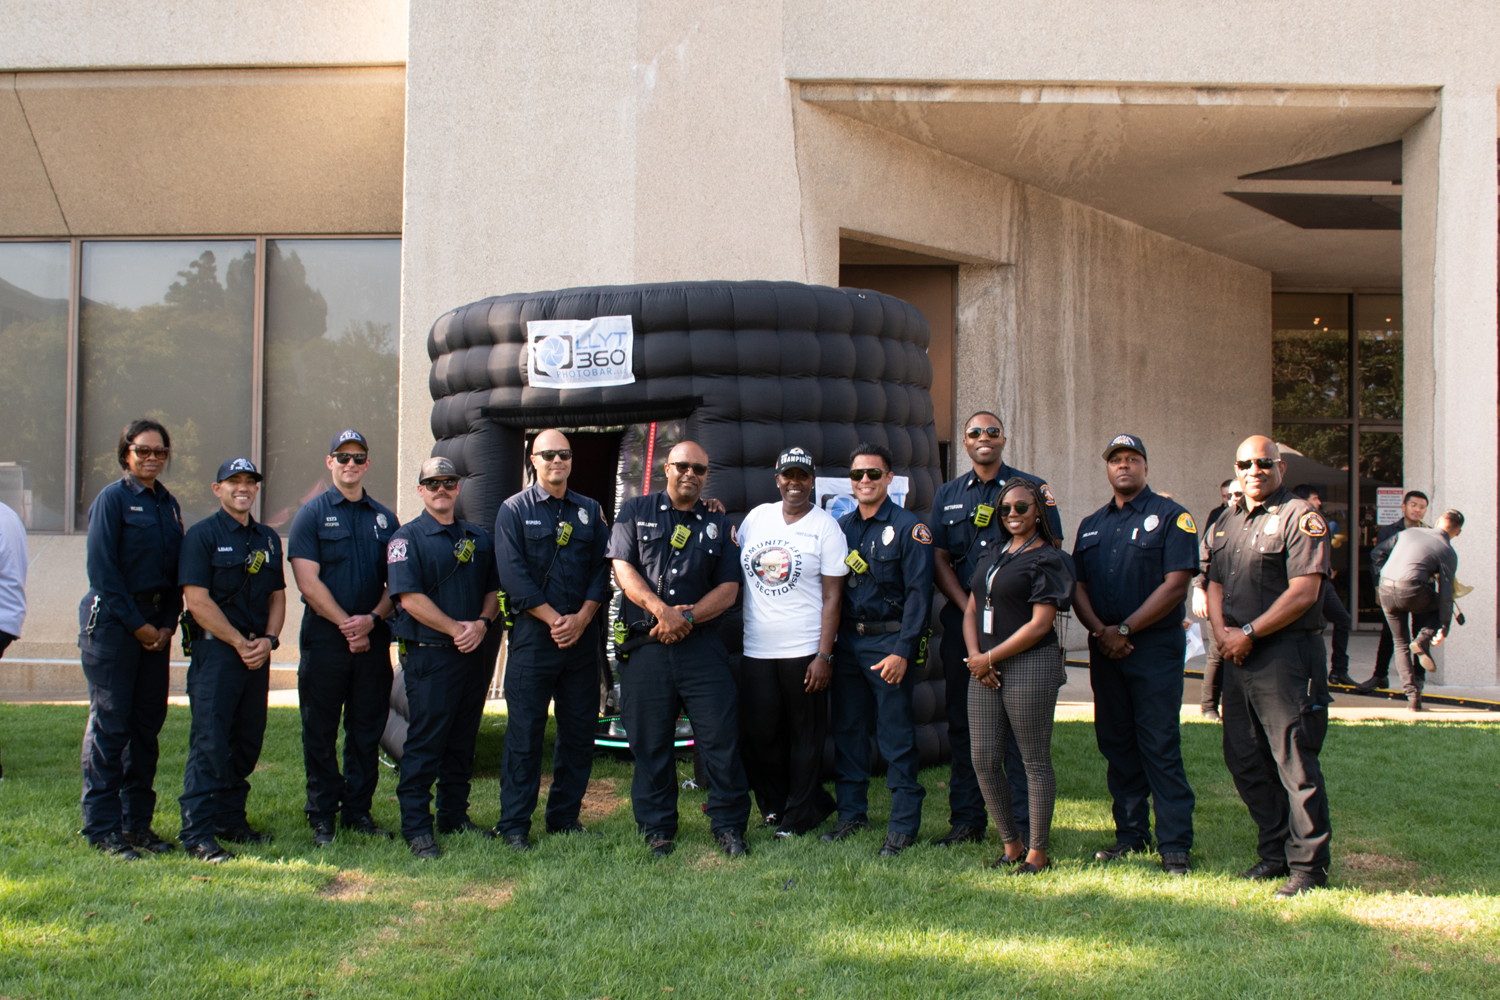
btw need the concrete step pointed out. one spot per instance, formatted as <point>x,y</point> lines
<point>57,678</point>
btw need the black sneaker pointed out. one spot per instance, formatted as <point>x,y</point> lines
<point>1301,882</point>
<point>147,840</point>
<point>517,842</point>
<point>322,833</point>
<point>468,826</point>
<point>962,833</point>
<point>244,835</point>
<point>1264,870</point>
<point>425,847</point>
<point>1341,678</point>
<point>732,843</point>
<point>1176,862</point>
<point>895,843</point>
<point>208,851</point>
<point>366,825</point>
<point>116,846</point>
<point>660,846</point>
<point>844,829</point>
<point>1118,850</point>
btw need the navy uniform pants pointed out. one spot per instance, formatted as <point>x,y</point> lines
<point>332,683</point>
<point>965,803</point>
<point>127,706</point>
<point>445,694</point>
<point>1275,718</point>
<point>655,682</point>
<point>1137,705</point>
<point>228,702</point>
<point>537,672</point>
<point>866,706</point>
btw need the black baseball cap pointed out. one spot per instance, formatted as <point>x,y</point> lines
<point>1125,441</point>
<point>344,437</point>
<point>794,458</point>
<point>437,468</point>
<point>235,466</point>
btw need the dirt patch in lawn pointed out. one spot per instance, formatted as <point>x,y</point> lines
<point>349,886</point>
<point>491,896</point>
<point>1409,912</point>
<point>1383,873</point>
<point>600,801</point>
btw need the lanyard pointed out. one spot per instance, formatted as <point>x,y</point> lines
<point>1000,561</point>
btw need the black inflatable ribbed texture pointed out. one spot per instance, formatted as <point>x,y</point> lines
<point>776,364</point>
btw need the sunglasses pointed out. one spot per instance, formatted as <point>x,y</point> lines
<point>146,451</point>
<point>683,468</point>
<point>1020,507</point>
<point>566,454</point>
<point>1259,463</point>
<point>874,475</point>
<point>345,457</point>
<point>436,485</point>
<point>975,433</point>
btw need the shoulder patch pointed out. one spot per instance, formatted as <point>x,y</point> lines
<point>395,551</point>
<point>1185,522</point>
<point>1312,524</point>
<point>922,533</point>
<point>734,534</point>
<point>1046,492</point>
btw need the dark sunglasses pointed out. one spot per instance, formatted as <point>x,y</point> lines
<point>975,432</point>
<point>683,467</point>
<point>1259,463</point>
<point>566,454</point>
<point>434,485</point>
<point>874,475</point>
<point>345,457</point>
<point>1020,507</point>
<point>146,451</point>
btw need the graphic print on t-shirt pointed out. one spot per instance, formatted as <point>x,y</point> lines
<point>776,565</point>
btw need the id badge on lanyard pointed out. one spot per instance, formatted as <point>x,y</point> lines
<point>987,617</point>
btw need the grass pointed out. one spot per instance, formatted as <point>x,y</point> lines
<point>1413,911</point>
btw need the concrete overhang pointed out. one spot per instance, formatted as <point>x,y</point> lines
<point>1165,156</point>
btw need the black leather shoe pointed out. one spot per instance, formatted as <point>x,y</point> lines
<point>844,829</point>
<point>573,827</point>
<point>1341,678</point>
<point>732,843</point>
<point>1118,850</point>
<point>517,842</point>
<point>468,826</point>
<point>1365,687</point>
<point>962,833</point>
<point>322,833</point>
<point>660,846</point>
<point>1176,862</point>
<point>147,840</point>
<point>116,846</point>
<point>424,847</point>
<point>1301,882</point>
<point>1423,656</point>
<point>1004,860</point>
<point>208,851</point>
<point>1264,870</point>
<point>895,843</point>
<point>366,825</point>
<point>244,835</point>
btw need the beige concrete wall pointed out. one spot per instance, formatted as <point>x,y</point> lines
<point>108,34</point>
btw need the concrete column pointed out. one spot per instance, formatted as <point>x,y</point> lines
<point>1449,276</point>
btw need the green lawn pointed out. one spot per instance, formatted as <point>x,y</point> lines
<point>1413,911</point>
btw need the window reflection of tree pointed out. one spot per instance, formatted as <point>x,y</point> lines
<point>1310,374</point>
<point>33,396</point>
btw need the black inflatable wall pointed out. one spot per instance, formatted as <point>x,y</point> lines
<point>754,366</point>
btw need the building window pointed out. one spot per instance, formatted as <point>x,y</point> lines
<point>1337,405</point>
<point>34,381</point>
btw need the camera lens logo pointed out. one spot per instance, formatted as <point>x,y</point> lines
<point>554,354</point>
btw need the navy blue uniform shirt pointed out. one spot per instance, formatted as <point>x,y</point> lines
<point>897,585</point>
<point>1123,554</point>
<point>347,540</point>
<point>534,568</point>
<point>135,540</point>
<point>642,536</point>
<point>420,559</point>
<point>952,518</point>
<point>216,555</point>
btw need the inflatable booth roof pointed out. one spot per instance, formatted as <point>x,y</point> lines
<point>747,368</point>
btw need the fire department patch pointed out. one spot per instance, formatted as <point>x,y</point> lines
<point>922,533</point>
<point>1312,524</point>
<point>1185,522</point>
<point>1046,492</point>
<point>395,551</point>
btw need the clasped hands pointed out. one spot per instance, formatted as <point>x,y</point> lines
<point>982,667</point>
<point>153,639</point>
<point>670,625</point>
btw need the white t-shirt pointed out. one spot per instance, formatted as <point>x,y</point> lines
<point>784,566</point>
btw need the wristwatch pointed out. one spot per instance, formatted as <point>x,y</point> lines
<point>688,614</point>
<point>1123,629</point>
<point>275,642</point>
<point>826,657</point>
<point>1248,630</point>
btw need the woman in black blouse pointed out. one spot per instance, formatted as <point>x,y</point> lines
<point>1016,665</point>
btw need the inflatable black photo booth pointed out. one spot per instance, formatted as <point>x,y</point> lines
<point>747,368</point>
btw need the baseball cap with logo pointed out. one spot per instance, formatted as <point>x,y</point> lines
<point>344,437</point>
<point>1125,441</point>
<point>436,468</point>
<point>237,465</point>
<point>794,458</point>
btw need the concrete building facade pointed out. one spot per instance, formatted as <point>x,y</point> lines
<point>1069,187</point>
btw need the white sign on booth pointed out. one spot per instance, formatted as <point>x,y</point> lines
<point>836,494</point>
<point>580,353</point>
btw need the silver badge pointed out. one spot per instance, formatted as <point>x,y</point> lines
<point>1273,524</point>
<point>583,516</point>
<point>888,535</point>
<point>1151,522</point>
<point>381,521</point>
<point>711,530</point>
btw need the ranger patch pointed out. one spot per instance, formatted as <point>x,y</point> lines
<point>395,551</point>
<point>922,533</point>
<point>1312,524</point>
<point>1185,522</point>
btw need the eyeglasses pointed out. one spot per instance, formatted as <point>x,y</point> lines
<point>345,457</point>
<point>146,451</point>
<point>1020,507</point>
<point>1259,463</point>
<point>438,485</point>
<point>874,475</point>
<point>683,467</point>
<point>975,432</point>
<point>566,454</point>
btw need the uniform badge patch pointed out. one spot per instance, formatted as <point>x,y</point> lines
<point>1151,522</point>
<point>888,535</point>
<point>396,551</point>
<point>380,521</point>
<point>1185,522</point>
<point>922,533</point>
<point>1047,495</point>
<point>583,516</point>
<point>1312,524</point>
<point>711,530</point>
<point>1273,524</point>
<point>734,535</point>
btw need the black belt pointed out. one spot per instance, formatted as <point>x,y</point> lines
<point>873,628</point>
<point>208,636</point>
<point>149,596</point>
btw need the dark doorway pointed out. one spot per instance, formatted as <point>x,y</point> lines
<point>596,462</point>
